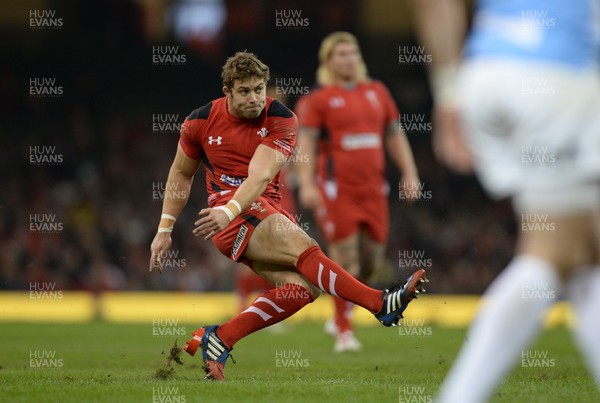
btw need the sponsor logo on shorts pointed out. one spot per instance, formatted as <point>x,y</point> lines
<point>238,241</point>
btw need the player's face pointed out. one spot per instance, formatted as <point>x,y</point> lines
<point>247,98</point>
<point>344,61</point>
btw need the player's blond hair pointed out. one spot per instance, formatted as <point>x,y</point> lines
<point>242,66</point>
<point>324,74</point>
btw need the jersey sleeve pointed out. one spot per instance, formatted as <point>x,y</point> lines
<point>389,105</point>
<point>309,112</point>
<point>282,127</point>
<point>190,139</point>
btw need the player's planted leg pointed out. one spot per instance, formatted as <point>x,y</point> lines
<point>269,308</point>
<point>214,351</point>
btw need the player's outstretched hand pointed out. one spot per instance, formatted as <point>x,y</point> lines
<point>158,249</point>
<point>212,222</point>
<point>448,141</point>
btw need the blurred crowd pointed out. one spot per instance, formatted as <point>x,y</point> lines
<point>82,212</point>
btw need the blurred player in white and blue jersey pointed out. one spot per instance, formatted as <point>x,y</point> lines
<point>522,109</point>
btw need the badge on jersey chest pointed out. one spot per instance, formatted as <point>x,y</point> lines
<point>263,132</point>
<point>372,98</point>
<point>337,102</point>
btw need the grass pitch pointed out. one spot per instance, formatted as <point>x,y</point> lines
<point>103,362</point>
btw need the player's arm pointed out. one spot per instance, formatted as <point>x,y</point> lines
<point>264,165</point>
<point>309,194</point>
<point>399,150</point>
<point>181,176</point>
<point>443,38</point>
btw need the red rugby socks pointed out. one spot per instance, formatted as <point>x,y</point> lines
<point>343,312</point>
<point>269,308</point>
<point>334,280</point>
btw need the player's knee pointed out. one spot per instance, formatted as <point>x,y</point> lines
<point>301,245</point>
<point>306,242</point>
<point>313,291</point>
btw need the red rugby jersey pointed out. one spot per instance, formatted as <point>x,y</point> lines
<point>226,144</point>
<point>353,124</point>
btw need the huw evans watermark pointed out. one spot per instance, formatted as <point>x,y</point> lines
<point>168,55</point>
<point>45,87</point>
<point>167,123</point>
<point>290,359</point>
<point>414,394</point>
<point>45,156</point>
<point>45,19</point>
<point>291,19</point>
<point>44,290</point>
<point>167,394</point>
<point>167,327</point>
<point>45,224</point>
<point>413,259</point>
<point>44,359</point>
<point>537,359</point>
<point>167,190</point>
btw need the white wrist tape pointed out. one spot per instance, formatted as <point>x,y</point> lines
<point>227,211</point>
<point>235,202</point>
<point>163,229</point>
<point>443,84</point>
<point>168,217</point>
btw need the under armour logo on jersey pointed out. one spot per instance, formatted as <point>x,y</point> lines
<point>262,132</point>
<point>217,140</point>
<point>336,102</point>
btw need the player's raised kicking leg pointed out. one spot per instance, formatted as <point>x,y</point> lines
<point>294,260</point>
<point>292,292</point>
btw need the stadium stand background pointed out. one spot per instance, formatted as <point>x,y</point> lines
<point>102,125</point>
